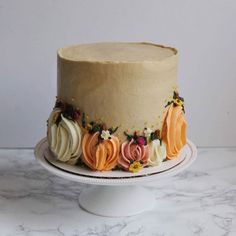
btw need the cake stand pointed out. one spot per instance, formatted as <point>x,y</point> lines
<point>115,193</point>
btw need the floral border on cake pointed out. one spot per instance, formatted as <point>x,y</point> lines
<point>75,140</point>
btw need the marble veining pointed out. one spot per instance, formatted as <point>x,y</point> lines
<point>198,201</point>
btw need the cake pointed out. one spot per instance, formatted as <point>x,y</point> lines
<point>117,106</point>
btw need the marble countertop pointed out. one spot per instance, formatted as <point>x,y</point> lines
<point>199,201</point>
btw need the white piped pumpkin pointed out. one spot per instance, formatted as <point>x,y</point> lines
<point>157,152</point>
<point>64,138</point>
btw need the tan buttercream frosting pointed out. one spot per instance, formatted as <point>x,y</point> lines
<point>121,84</point>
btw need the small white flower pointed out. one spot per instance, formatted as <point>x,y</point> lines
<point>105,134</point>
<point>147,132</point>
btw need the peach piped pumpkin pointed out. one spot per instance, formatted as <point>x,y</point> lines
<point>174,130</point>
<point>100,155</point>
<point>133,156</point>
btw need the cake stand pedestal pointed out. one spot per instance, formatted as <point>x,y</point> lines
<point>115,193</point>
<point>116,201</point>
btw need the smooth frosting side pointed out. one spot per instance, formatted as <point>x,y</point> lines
<point>116,52</point>
<point>131,94</point>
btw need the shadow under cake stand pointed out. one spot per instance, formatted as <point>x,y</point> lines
<point>115,193</point>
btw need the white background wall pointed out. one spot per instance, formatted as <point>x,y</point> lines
<point>204,31</point>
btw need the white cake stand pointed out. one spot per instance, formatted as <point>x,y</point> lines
<point>115,193</point>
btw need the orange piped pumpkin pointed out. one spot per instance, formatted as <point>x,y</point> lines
<point>100,155</point>
<point>174,130</point>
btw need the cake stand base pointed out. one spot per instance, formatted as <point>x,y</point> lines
<point>116,201</point>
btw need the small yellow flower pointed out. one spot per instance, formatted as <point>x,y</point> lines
<point>178,102</point>
<point>89,126</point>
<point>136,166</point>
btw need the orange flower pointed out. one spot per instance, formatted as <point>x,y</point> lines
<point>100,155</point>
<point>174,131</point>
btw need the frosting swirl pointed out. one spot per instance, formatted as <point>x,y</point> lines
<point>64,138</point>
<point>100,155</point>
<point>157,152</point>
<point>133,156</point>
<point>174,130</point>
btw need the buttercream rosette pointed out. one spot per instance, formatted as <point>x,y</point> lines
<point>64,137</point>
<point>100,154</point>
<point>134,155</point>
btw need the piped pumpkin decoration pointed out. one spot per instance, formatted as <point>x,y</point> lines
<point>134,153</point>
<point>174,127</point>
<point>98,153</point>
<point>64,133</point>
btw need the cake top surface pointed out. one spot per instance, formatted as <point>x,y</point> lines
<point>117,52</point>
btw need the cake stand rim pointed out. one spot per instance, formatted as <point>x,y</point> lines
<point>113,182</point>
